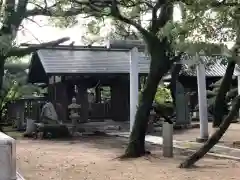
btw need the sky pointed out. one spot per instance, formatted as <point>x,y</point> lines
<point>32,33</point>
<point>43,31</point>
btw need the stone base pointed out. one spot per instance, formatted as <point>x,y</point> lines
<point>168,152</point>
<point>19,176</point>
<point>186,126</point>
<point>201,139</point>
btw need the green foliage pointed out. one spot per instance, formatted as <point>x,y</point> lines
<point>200,22</point>
<point>93,33</point>
<point>15,67</point>
<point>5,44</point>
<point>163,95</point>
<point>15,86</point>
<point>93,26</point>
<point>106,93</point>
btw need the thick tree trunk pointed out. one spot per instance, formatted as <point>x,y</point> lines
<point>214,138</point>
<point>220,105</point>
<point>160,65</point>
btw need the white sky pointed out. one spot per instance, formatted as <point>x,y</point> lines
<point>32,33</point>
<point>49,33</point>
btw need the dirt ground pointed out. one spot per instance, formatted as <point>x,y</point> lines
<point>229,138</point>
<point>94,158</point>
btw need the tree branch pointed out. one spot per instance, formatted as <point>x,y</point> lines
<point>33,21</point>
<point>89,7</point>
<point>21,7</point>
<point>20,52</point>
<point>166,14</point>
<point>131,3</point>
<point>9,12</point>
<point>53,11</point>
<point>99,5</point>
<point>224,3</point>
<point>215,137</point>
<point>20,11</point>
<point>117,15</point>
<point>154,14</point>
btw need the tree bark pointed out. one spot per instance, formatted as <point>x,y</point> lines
<point>214,138</point>
<point>2,62</point>
<point>220,105</point>
<point>174,77</point>
<point>160,65</point>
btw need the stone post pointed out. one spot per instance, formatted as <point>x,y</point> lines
<point>167,135</point>
<point>202,101</point>
<point>238,80</point>
<point>134,79</point>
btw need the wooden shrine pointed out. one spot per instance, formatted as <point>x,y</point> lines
<point>70,72</point>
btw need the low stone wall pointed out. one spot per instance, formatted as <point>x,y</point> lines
<point>7,157</point>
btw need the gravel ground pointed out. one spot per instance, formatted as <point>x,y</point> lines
<point>94,158</point>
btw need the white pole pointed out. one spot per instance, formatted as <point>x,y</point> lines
<point>134,71</point>
<point>202,100</point>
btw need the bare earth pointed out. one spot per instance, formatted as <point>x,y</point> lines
<point>232,134</point>
<point>94,158</point>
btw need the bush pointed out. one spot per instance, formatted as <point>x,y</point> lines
<point>163,96</point>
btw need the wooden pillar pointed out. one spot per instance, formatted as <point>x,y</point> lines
<point>34,113</point>
<point>28,108</point>
<point>51,89</point>
<point>10,111</point>
<point>19,114</point>
<point>120,100</point>
<point>61,101</point>
<point>37,108</point>
<point>98,94</point>
<point>82,99</point>
<point>70,92</point>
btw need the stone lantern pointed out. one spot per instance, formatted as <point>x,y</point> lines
<point>74,113</point>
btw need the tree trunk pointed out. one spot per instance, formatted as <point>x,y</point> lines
<point>214,138</point>
<point>160,65</point>
<point>2,62</point>
<point>174,77</point>
<point>220,105</point>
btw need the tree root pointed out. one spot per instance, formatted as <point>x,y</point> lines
<point>130,155</point>
<point>185,165</point>
<point>182,166</point>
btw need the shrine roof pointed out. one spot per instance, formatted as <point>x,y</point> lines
<point>88,60</point>
<point>65,60</point>
<point>215,67</point>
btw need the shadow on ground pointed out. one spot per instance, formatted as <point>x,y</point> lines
<point>106,142</point>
